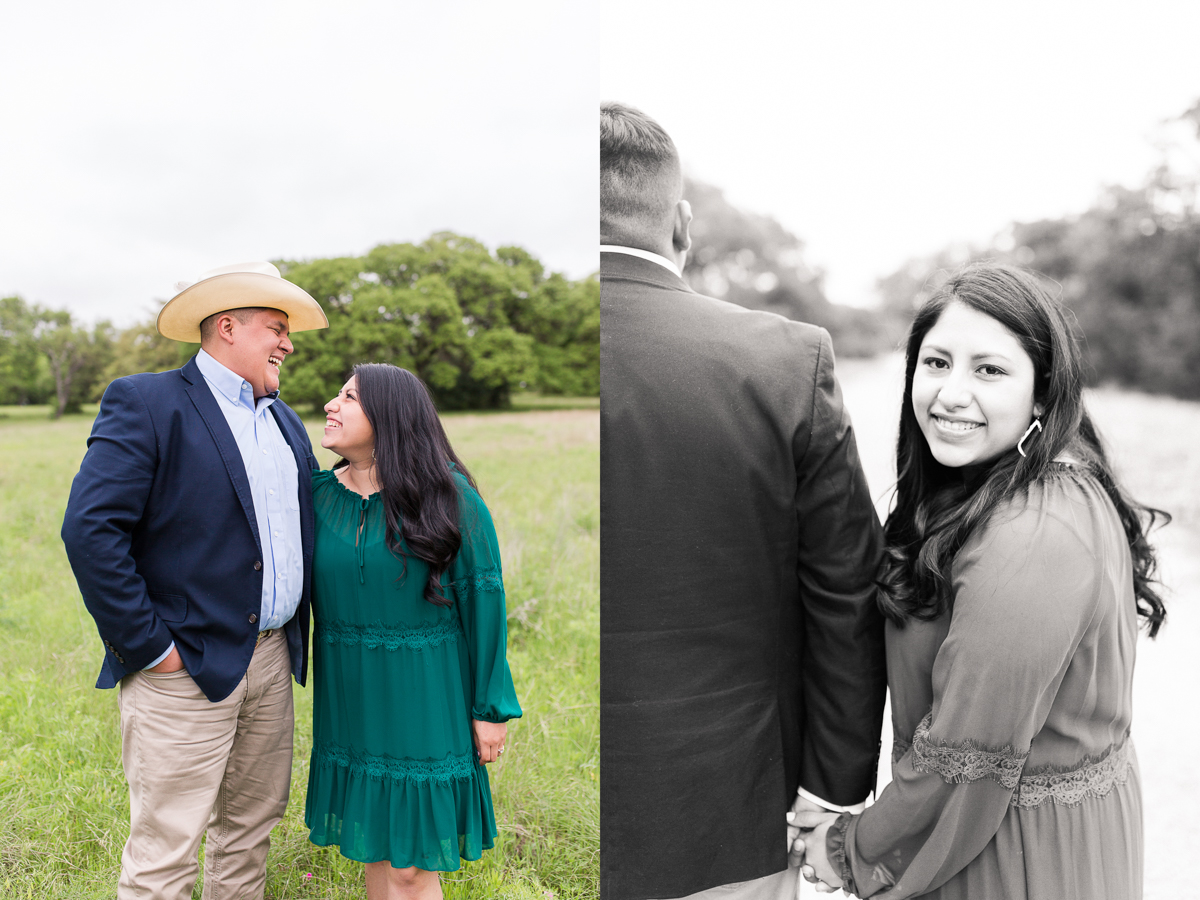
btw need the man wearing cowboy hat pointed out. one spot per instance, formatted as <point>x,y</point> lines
<point>190,532</point>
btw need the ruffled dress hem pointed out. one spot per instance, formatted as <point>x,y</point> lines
<point>442,797</point>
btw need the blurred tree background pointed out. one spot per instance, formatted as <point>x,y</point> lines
<point>47,357</point>
<point>474,325</point>
<point>1128,268</point>
<point>753,261</point>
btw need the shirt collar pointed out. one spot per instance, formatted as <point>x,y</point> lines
<point>642,254</point>
<point>236,389</point>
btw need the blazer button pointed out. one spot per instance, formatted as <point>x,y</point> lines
<point>258,565</point>
<point>253,618</point>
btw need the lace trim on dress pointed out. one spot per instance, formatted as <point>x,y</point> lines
<point>966,761</point>
<point>393,637</point>
<point>439,771</point>
<point>1095,776</point>
<point>487,579</point>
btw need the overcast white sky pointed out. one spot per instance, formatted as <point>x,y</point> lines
<point>142,143</point>
<point>879,131</point>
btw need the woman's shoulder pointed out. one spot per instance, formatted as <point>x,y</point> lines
<point>1054,522</point>
<point>470,501</point>
<point>1067,500</point>
<point>466,490</point>
<point>323,479</point>
<point>1039,563</point>
<point>474,517</point>
<point>327,486</point>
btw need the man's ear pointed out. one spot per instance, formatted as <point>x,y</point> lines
<point>224,329</point>
<point>681,238</point>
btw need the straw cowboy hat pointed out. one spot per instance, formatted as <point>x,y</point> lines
<point>234,287</point>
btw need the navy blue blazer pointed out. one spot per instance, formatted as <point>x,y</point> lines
<point>162,537</point>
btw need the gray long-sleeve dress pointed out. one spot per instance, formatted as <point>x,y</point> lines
<point>1013,772</point>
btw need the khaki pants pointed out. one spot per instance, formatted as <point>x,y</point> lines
<point>195,766</point>
<point>780,886</point>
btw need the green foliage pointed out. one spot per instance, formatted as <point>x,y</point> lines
<point>45,355</point>
<point>77,357</point>
<point>564,319</point>
<point>472,325</point>
<point>142,349</point>
<point>753,261</point>
<point>24,371</point>
<point>63,798</point>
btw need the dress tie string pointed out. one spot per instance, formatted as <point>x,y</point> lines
<point>360,541</point>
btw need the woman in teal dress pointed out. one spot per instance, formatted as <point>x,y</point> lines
<point>411,686</point>
<point>1016,575</point>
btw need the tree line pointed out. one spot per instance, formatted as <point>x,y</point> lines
<point>750,259</point>
<point>475,325</point>
<point>1128,269</point>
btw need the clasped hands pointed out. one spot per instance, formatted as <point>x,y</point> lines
<point>807,824</point>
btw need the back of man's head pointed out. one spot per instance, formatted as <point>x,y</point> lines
<point>641,180</point>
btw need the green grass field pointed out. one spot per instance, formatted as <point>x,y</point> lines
<point>63,800</point>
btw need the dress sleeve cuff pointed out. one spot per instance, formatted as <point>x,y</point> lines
<point>492,717</point>
<point>496,716</point>
<point>835,849</point>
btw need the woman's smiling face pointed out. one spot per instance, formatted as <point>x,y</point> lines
<point>347,429</point>
<point>972,389</point>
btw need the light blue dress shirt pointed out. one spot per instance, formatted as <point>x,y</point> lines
<point>274,488</point>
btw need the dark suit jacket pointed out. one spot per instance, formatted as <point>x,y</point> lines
<point>161,532</point>
<point>741,649</point>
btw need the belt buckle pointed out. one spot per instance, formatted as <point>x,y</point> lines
<point>263,635</point>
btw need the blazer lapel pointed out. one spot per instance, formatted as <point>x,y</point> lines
<point>206,405</point>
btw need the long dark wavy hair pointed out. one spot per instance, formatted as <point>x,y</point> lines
<point>937,508</point>
<point>413,460</point>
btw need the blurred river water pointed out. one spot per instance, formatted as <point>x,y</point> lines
<point>1153,443</point>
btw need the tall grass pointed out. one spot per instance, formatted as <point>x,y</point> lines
<point>63,800</point>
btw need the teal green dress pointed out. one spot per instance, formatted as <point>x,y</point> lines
<point>396,682</point>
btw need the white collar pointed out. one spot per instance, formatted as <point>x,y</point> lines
<point>233,386</point>
<point>642,254</point>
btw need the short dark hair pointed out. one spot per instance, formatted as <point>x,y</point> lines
<point>244,314</point>
<point>640,176</point>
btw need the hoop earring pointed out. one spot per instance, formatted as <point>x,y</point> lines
<point>1037,423</point>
